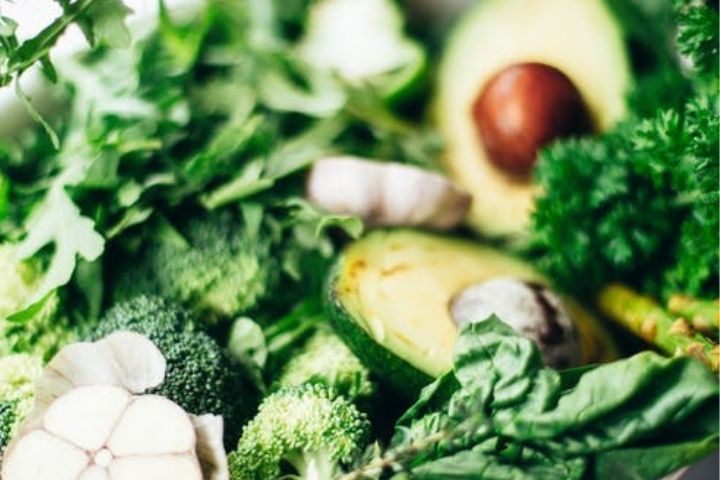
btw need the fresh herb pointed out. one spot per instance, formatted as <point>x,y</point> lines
<point>639,204</point>
<point>214,113</point>
<point>99,20</point>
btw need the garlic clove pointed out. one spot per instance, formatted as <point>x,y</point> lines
<point>152,425</point>
<point>87,415</point>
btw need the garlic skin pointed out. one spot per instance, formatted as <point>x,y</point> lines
<point>386,194</point>
<point>532,310</point>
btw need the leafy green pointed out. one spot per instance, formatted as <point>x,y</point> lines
<point>39,327</point>
<point>212,113</point>
<point>98,19</point>
<point>508,416</point>
<point>642,198</point>
<point>697,37</point>
<point>58,221</point>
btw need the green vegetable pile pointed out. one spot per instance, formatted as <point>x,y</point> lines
<point>165,195</point>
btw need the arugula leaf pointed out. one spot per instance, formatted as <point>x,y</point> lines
<point>58,221</point>
<point>98,19</point>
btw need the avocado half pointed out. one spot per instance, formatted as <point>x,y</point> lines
<point>580,38</point>
<point>389,296</point>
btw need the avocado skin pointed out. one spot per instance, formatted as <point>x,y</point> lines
<point>400,376</point>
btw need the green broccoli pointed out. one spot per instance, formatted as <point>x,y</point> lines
<point>308,428</point>
<point>214,264</point>
<point>17,392</point>
<point>326,360</point>
<point>201,377</point>
<point>40,329</point>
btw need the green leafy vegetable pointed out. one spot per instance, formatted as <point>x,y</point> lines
<point>38,327</point>
<point>98,19</point>
<point>642,199</point>
<point>505,415</point>
<point>189,127</point>
<point>59,222</point>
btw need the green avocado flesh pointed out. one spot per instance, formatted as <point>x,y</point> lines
<point>390,294</point>
<point>580,38</point>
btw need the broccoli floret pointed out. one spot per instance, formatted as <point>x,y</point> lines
<point>324,359</point>
<point>201,377</point>
<point>308,428</point>
<point>213,264</point>
<point>40,329</point>
<point>17,392</point>
<point>18,280</point>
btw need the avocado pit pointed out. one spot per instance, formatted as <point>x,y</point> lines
<point>523,108</point>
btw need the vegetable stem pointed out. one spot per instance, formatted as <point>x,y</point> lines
<point>644,317</point>
<point>39,46</point>
<point>703,315</point>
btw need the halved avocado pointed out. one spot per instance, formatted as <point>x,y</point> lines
<point>389,297</point>
<point>579,38</point>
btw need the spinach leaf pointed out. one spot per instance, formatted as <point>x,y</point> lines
<point>502,414</point>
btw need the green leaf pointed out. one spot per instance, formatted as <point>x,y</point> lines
<point>58,222</point>
<point>35,115</point>
<point>4,196</point>
<point>247,341</point>
<point>105,22</point>
<point>475,464</point>
<point>652,461</point>
<point>508,416</point>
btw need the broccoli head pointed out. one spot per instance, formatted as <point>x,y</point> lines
<point>40,329</point>
<point>17,392</point>
<point>213,264</point>
<point>308,428</point>
<point>201,377</point>
<point>324,359</point>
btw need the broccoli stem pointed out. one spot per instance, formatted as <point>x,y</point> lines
<point>703,315</point>
<point>647,319</point>
<point>312,465</point>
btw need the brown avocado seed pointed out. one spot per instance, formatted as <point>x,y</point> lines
<point>523,108</point>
